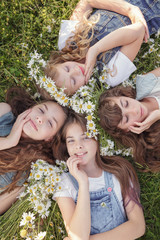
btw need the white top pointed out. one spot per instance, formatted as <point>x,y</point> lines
<point>120,65</point>
<point>68,189</point>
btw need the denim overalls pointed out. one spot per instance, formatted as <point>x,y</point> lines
<point>6,124</point>
<point>106,212</point>
<point>110,21</point>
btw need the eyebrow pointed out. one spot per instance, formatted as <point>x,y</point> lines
<point>83,134</point>
<point>52,117</point>
<point>121,102</point>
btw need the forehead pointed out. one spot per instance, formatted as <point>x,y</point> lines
<point>74,129</point>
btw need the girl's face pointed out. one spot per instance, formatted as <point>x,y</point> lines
<point>132,111</point>
<point>80,145</point>
<point>45,120</point>
<point>71,76</point>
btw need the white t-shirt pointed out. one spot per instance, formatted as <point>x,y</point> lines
<point>68,189</point>
<point>120,65</point>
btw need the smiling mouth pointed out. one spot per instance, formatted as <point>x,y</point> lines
<point>80,155</point>
<point>33,125</point>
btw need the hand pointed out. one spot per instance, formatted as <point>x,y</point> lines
<point>136,15</point>
<point>90,62</point>
<point>142,126</point>
<point>17,128</point>
<point>77,173</point>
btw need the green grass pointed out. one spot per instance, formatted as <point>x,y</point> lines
<point>24,23</point>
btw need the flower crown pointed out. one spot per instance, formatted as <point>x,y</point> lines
<point>83,101</point>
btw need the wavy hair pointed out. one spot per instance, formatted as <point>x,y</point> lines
<point>18,159</point>
<point>76,46</point>
<point>120,167</point>
<point>145,146</point>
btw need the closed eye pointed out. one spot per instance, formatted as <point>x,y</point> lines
<point>41,110</point>
<point>50,123</point>
<point>127,119</point>
<point>67,69</point>
<point>126,105</point>
<point>73,81</point>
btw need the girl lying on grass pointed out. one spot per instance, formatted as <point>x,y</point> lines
<point>72,66</point>
<point>100,195</point>
<point>132,117</point>
<point>26,131</point>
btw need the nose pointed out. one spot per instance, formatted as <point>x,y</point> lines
<point>75,70</point>
<point>39,119</point>
<point>132,111</point>
<point>79,145</point>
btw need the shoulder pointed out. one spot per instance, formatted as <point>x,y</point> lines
<point>145,84</point>
<point>4,108</point>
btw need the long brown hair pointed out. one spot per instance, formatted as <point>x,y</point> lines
<point>116,165</point>
<point>145,146</point>
<point>19,158</point>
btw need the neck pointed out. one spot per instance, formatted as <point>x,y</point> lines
<point>92,171</point>
<point>150,103</point>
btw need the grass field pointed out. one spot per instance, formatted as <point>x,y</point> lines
<point>28,25</point>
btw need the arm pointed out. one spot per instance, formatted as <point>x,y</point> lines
<point>7,199</point>
<point>132,229</point>
<point>13,138</point>
<point>4,108</point>
<point>119,6</point>
<point>77,217</point>
<point>125,36</point>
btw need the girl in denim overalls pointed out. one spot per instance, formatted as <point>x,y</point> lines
<point>81,48</point>
<point>99,195</point>
<point>24,137</point>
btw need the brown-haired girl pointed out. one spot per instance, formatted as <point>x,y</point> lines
<point>133,118</point>
<point>100,195</point>
<point>26,133</point>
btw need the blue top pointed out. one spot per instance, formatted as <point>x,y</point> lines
<point>6,123</point>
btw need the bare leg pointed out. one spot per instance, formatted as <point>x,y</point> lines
<point>7,199</point>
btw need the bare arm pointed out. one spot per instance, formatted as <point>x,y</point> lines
<point>119,6</point>
<point>132,229</point>
<point>7,199</point>
<point>77,218</point>
<point>13,138</point>
<point>130,37</point>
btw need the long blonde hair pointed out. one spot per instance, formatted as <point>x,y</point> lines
<point>76,46</point>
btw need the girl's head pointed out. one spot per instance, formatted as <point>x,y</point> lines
<point>45,119</point>
<point>113,120</point>
<point>73,140</point>
<point>118,109</point>
<point>68,75</point>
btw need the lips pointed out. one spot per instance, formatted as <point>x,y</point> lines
<point>80,155</point>
<point>33,125</point>
<point>82,69</point>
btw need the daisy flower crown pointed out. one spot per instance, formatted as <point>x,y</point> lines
<point>83,101</point>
